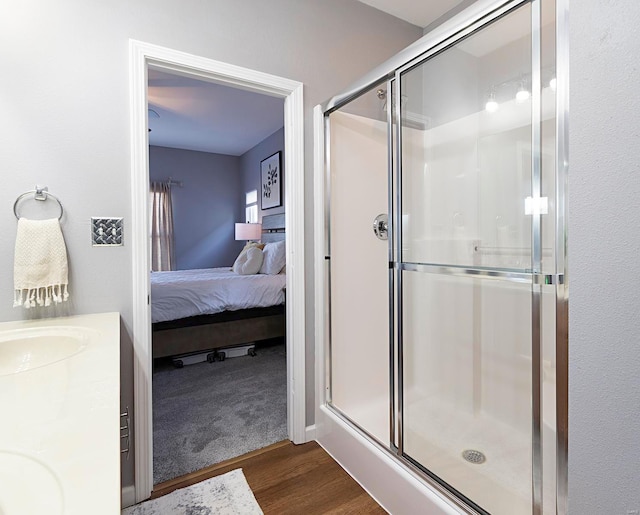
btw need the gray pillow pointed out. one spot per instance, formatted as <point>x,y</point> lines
<point>275,257</point>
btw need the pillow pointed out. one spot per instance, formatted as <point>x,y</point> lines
<point>248,262</point>
<point>253,244</point>
<point>274,258</point>
<point>250,244</point>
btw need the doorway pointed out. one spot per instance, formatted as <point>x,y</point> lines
<point>143,55</point>
<point>206,145</point>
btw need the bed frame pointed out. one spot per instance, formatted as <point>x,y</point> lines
<point>227,329</point>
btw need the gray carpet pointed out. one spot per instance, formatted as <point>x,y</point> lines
<point>209,412</point>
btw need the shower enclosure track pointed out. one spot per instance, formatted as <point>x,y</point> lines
<point>389,75</point>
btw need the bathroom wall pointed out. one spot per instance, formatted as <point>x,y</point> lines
<point>604,246</point>
<point>250,169</point>
<point>205,208</point>
<point>64,100</point>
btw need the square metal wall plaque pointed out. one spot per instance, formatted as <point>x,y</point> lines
<point>106,231</point>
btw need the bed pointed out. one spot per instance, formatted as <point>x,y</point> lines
<point>201,310</point>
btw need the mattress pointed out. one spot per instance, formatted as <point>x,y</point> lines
<point>186,293</point>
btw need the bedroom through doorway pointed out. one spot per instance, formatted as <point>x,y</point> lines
<point>218,330</point>
<point>144,56</point>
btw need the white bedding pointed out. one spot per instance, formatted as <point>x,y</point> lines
<point>187,293</point>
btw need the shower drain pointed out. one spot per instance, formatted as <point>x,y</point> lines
<point>473,456</point>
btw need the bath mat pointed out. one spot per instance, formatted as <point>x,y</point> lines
<point>228,494</point>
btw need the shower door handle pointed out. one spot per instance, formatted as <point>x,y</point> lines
<point>381,226</point>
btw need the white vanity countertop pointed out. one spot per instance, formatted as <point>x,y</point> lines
<point>60,429</point>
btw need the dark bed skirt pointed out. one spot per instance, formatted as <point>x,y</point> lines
<point>206,332</point>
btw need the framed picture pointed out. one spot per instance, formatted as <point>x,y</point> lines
<point>271,181</point>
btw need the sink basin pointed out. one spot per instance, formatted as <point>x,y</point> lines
<point>22,350</point>
<point>28,486</point>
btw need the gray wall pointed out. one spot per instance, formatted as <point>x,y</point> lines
<point>250,168</point>
<point>205,208</point>
<point>604,248</point>
<point>64,100</point>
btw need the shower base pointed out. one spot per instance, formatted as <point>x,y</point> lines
<point>436,434</point>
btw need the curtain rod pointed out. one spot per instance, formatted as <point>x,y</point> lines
<point>171,182</point>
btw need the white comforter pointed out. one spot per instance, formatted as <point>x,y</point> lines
<point>186,293</point>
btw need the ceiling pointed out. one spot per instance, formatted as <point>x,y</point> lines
<point>417,12</point>
<point>194,114</point>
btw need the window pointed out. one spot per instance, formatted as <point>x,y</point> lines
<point>251,209</point>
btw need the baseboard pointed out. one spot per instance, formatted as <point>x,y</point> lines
<point>310,433</point>
<point>128,496</point>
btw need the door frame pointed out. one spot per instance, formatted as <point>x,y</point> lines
<point>141,56</point>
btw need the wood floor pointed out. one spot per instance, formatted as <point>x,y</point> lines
<point>290,479</point>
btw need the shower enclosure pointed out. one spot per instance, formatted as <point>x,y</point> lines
<point>444,263</point>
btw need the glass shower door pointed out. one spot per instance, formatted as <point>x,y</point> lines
<point>470,226</point>
<point>358,182</point>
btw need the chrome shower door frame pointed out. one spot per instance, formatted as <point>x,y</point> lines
<point>390,73</point>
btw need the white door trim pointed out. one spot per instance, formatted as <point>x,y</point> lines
<point>144,54</point>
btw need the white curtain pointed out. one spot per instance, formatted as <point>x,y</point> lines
<point>162,252</point>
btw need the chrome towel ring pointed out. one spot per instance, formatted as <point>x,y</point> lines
<point>40,193</point>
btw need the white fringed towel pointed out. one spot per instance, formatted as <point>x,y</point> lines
<point>40,269</point>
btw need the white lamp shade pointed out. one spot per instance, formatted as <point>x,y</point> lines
<point>248,231</point>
